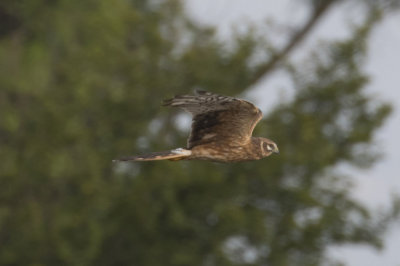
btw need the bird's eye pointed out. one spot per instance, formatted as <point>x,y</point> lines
<point>267,147</point>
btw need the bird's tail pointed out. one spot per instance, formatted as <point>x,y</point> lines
<point>172,155</point>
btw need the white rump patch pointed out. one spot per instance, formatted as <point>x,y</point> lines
<point>181,151</point>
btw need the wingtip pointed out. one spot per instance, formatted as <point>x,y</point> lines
<point>201,92</point>
<point>123,159</point>
<point>166,102</point>
<point>170,101</point>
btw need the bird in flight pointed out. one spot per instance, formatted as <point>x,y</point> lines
<point>222,128</point>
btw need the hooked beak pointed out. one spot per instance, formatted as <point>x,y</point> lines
<point>276,150</point>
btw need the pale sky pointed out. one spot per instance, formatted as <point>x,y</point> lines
<point>374,186</point>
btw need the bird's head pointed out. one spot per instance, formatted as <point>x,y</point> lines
<point>268,147</point>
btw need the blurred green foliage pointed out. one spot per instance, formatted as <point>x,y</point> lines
<point>81,83</point>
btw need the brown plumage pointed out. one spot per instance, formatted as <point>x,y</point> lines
<point>222,130</point>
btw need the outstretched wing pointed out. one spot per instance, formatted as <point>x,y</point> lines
<point>172,155</point>
<point>218,118</point>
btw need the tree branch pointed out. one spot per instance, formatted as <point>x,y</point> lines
<point>265,69</point>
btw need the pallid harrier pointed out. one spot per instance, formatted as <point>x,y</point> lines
<point>221,131</point>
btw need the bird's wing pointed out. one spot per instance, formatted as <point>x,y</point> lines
<point>218,118</point>
<point>172,155</point>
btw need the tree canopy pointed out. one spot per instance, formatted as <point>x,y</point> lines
<point>81,82</point>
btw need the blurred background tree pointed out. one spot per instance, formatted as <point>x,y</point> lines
<point>81,83</point>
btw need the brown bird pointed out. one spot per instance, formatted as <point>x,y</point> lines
<point>222,130</point>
